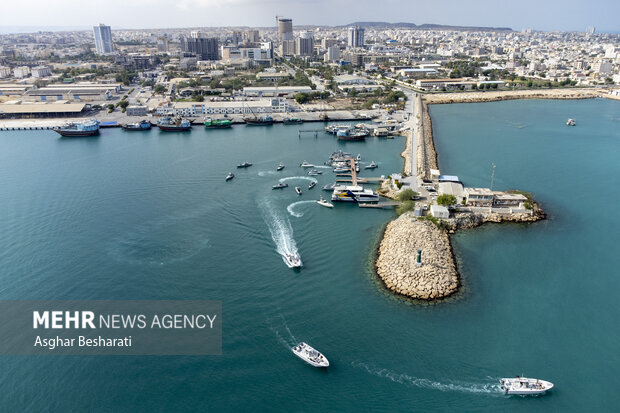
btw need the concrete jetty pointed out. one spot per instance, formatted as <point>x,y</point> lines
<point>436,278</point>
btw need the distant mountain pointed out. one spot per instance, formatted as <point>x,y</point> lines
<point>427,26</point>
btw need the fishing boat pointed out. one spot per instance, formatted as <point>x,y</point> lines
<point>372,165</point>
<point>329,187</point>
<point>571,122</point>
<point>524,386</point>
<point>279,186</point>
<point>280,167</point>
<point>259,121</point>
<point>76,129</point>
<point>245,164</point>
<point>292,121</point>
<point>314,172</point>
<point>138,126</point>
<point>292,260</point>
<point>325,203</point>
<point>217,123</point>
<point>347,135</point>
<point>298,190</point>
<point>311,185</point>
<point>310,355</point>
<point>305,164</point>
<point>177,124</point>
<point>230,176</point>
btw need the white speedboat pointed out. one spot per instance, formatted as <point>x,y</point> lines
<point>354,193</point>
<point>325,203</point>
<point>310,355</point>
<point>311,185</point>
<point>280,167</point>
<point>358,157</point>
<point>341,169</point>
<point>292,260</point>
<point>298,190</point>
<point>314,172</point>
<point>524,386</point>
<point>230,176</point>
<point>329,187</point>
<point>279,186</point>
<point>571,122</point>
<point>305,164</point>
<point>244,164</point>
<point>372,165</point>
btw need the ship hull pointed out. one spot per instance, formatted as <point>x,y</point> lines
<point>254,123</point>
<point>76,133</point>
<point>133,129</point>
<point>174,128</point>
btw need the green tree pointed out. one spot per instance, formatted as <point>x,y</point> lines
<point>198,98</point>
<point>407,194</point>
<point>302,98</point>
<point>159,89</point>
<point>405,207</point>
<point>123,104</point>
<point>446,199</point>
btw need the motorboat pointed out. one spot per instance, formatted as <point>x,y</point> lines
<point>177,124</point>
<point>280,186</point>
<point>280,167</point>
<point>372,165</point>
<point>325,203</point>
<point>571,122</point>
<point>245,164</point>
<point>311,356</point>
<point>138,126</point>
<point>358,157</point>
<point>354,193</point>
<point>292,260</point>
<point>305,164</point>
<point>292,121</point>
<point>329,187</point>
<point>341,169</point>
<point>230,176</point>
<point>211,123</point>
<point>298,190</point>
<point>312,185</point>
<point>314,172</point>
<point>524,386</point>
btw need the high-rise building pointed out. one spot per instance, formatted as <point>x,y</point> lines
<point>103,39</point>
<point>327,42</point>
<point>356,36</point>
<point>253,36</point>
<point>285,29</point>
<point>304,44</point>
<point>204,48</point>
<point>332,54</point>
<point>236,38</point>
<point>162,44</point>
<point>287,48</point>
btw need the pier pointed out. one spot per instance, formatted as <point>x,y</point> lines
<point>378,205</point>
<point>311,131</point>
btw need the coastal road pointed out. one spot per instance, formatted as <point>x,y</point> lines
<point>412,125</point>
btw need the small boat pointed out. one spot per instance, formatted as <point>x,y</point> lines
<point>372,165</point>
<point>310,355</point>
<point>358,157</point>
<point>177,124</point>
<point>292,121</point>
<point>87,128</point>
<point>524,386</point>
<point>217,123</point>
<point>298,190</point>
<point>312,185</point>
<point>305,164</point>
<point>279,186</point>
<point>244,164</point>
<point>329,187</point>
<point>280,167</point>
<point>341,169</point>
<point>292,260</point>
<point>256,121</point>
<point>142,125</point>
<point>230,176</point>
<point>325,203</point>
<point>571,122</point>
<point>314,172</point>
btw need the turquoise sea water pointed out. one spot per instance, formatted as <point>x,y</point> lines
<point>149,216</point>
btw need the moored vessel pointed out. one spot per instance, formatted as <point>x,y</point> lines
<point>292,121</point>
<point>76,129</point>
<point>329,187</point>
<point>217,123</point>
<point>524,386</point>
<point>177,124</point>
<point>310,355</point>
<point>259,121</point>
<point>137,126</point>
<point>354,193</point>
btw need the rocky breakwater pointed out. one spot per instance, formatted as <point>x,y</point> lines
<point>436,278</point>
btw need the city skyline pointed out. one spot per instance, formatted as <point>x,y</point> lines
<point>553,15</point>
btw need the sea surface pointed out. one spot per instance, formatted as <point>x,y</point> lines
<point>148,215</point>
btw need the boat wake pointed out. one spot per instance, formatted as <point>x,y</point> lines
<point>293,178</point>
<point>281,231</point>
<point>489,387</point>
<point>291,208</point>
<point>286,337</point>
<point>267,173</point>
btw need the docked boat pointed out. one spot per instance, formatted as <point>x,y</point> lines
<point>524,386</point>
<point>354,193</point>
<point>341,169</point>
<point>280,167</point>
<point>372,165</point>
<point>358,157</point>
<point>292,260</point>
<point>314,172</point>
<point>571,122</point>
<point>310,355</point>
<point>325,203</point>
<point>347,135</point>
<point>280,186</point>
<point>329,187</point>
<point>305,164</point>
<point>259,121</point>
<point>177,124</point>
<point>292,121</point>
<point>333,129</point>
<point>217,123</point>
<point>311,185</point>
<point>138,126</point>
<point>76,129</point>
<point>230,176</point>
<point>298,190</point>
<point>245,164</point>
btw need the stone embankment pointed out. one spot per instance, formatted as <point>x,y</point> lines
<point>493,96</point>
<point>466,220</point>
<point>436,278</point>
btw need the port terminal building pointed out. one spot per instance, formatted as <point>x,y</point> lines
<point>233,107</point>
<point>42,110</point>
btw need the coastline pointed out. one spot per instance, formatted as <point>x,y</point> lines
<point>495,96</point>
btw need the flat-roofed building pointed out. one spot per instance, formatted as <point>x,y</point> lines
<point>479,197</point>
<point>440,211</point>
<point>78,91</point>
<point>5,72</point>
<point>136,110</point>
<point>41,71</point>
<point>451,188</point>
<point>233,107</point>
<point>276,91</point>
<point>504,199</point>
<point>41,110</point>
<point>273,77</point>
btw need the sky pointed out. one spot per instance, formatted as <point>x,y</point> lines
<point>547,15</point>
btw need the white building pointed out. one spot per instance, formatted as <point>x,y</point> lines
<point>332,54</point>
<point>21,72</point>
<point>356,37</point>
<point>41,71</point>
<point>5,72</point>
<point>276,90</point>
<point>440,211</point>
<point>220,108</point>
